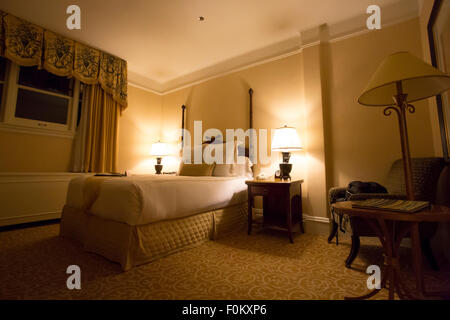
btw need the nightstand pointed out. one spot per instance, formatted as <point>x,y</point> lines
<point>282,203</point>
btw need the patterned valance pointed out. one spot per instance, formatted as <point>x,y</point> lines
<point>29,45</point>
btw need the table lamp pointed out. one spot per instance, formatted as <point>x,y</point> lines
<point>285,140</point>
<point>399,80</point>
<point>159,149</point>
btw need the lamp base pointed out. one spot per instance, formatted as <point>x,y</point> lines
<point>158,166</point>
<point>285,170</point>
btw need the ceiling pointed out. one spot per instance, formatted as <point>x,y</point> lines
<point>165,44</point>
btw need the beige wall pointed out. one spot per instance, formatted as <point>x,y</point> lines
<point>139,127</point>
<point>363,142</point>
<point>223,103</point>
<point>315,100</point>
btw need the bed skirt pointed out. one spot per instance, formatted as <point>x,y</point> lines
<point>131,246</point>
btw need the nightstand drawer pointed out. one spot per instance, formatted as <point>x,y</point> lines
<point>260,190</point>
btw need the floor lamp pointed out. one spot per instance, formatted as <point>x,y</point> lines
<point>399,80</point>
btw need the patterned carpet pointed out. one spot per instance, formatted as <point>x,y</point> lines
<point>33,264</point>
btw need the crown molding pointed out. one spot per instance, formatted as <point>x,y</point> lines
<point>237,69</point>
<point>258,56</point>
<point>399,12</point>
<point>145,88</point>
<point>141,82</point>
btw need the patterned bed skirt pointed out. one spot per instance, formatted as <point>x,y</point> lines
<point>131,246</point>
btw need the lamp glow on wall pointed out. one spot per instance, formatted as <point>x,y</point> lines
<point>159,149</point>
<point>399,80</point>
<point>286,140</point>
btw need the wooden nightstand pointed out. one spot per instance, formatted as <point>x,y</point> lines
<point>282,203</point>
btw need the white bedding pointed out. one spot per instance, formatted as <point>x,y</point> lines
<point>143,199</point>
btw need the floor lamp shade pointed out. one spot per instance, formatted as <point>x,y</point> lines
<point>419,80</point>
<point>399,80</point>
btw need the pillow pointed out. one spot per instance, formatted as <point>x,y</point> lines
<point>234,169</point>
<point>242,170</point>
<point>224,169</point>
<point>196,170</point>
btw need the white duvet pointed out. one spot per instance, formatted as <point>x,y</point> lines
<point>138,200</point>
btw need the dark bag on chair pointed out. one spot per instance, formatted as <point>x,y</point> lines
<point>356,187</point>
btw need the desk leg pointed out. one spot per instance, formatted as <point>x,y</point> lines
<point>250,212</point>
<point>289,218</point>
<point>300,209</point>
<point>417,258</point>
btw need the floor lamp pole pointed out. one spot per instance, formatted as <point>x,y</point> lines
<point>401,106</point>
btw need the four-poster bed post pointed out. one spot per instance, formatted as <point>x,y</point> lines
<point>250,92</point>
<point>183,108</point>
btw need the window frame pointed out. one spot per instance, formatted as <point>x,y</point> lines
<point>10,122</point>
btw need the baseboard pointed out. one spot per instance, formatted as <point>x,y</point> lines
<point>306,217</point>
<point>312,224</point>
<point>30,218</point>
<point>29,224</point>
<point>316,219</point>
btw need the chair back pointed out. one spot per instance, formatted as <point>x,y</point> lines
<point>426,173</point>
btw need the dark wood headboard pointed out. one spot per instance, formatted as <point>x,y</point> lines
<point>213,138</point>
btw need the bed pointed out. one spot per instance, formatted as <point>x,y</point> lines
<point>137,219</point>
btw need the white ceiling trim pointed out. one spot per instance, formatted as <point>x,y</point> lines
<point>254,64</point>
<point>401,12</point>
<point>137,85</point>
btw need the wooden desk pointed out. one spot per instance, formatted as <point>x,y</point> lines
<point>391,236</point>
<point>282,203</point>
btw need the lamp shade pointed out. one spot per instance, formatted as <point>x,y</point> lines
<point>285,139</point>
<point>419,80</point>
<point>159,149</point>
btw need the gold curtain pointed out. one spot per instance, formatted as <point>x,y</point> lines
<point>58,54</point>
<point>29,45</point>
<point>2,34</point>
<point>112,78</point>
<point>86,64</point>
<point>23,41</point>
<point>102,129</point>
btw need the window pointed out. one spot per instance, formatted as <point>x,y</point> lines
<point>39,102</point>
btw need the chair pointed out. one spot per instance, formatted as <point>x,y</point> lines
<point>426,172</point>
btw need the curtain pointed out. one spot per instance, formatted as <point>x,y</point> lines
<point>96,141</point>
<point>2,34</point>
<point>23,41</point>
<point>105,89</point>
<point>30,45</point>
<point>79,144</point>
